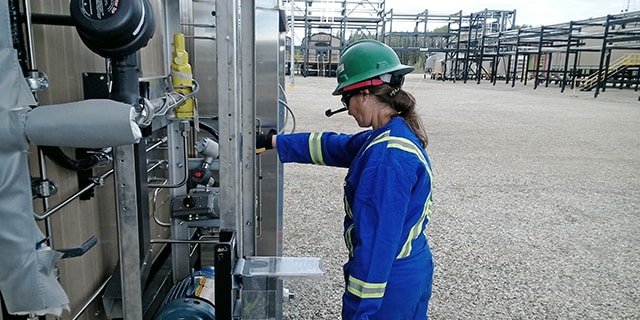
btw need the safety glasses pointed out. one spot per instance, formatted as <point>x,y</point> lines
<point>346,97</point>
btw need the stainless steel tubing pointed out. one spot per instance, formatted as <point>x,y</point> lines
<point>93,297</point>
<point>96,182</point>
<point>154,241</point>
<point>155,207</point>
<point>185,166</point>
<point>156,164</point>
<point>156,145</point>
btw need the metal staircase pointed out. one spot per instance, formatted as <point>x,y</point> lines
<point>624,62</point>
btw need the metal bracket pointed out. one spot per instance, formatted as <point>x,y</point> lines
<point>79,251</point>
<point>37,81</point>
<point>226,288</point>
<point>43,188</point>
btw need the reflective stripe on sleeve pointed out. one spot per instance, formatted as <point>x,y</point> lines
<point>315,148</point>
<point>366,290</point>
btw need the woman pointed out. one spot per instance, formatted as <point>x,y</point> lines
<point>387,190</point>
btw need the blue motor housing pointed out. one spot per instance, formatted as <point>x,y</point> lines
<point>190,299</point>
<point>187,309</point>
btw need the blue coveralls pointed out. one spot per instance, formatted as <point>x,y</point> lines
<point>387,200</point>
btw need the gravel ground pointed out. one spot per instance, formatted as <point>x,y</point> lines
<point>536,202</point>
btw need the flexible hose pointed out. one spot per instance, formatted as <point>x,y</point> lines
<point>208,128</point>
<point>60,158</point>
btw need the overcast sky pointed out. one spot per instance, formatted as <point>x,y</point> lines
<point>530,12</point>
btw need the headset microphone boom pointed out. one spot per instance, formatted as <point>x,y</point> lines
<point>329,112</point>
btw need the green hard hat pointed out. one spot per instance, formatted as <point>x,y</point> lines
<point>367,59</point>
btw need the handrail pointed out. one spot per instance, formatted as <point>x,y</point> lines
<point>627,60</point>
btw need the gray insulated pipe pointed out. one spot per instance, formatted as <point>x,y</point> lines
<point>93,123</point>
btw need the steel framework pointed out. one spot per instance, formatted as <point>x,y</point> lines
<point>586,54</point>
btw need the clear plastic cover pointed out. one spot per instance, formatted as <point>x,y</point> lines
<point>283,267</point>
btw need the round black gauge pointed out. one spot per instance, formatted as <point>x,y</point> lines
<point>113,28</point>
<point>99,9</point>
